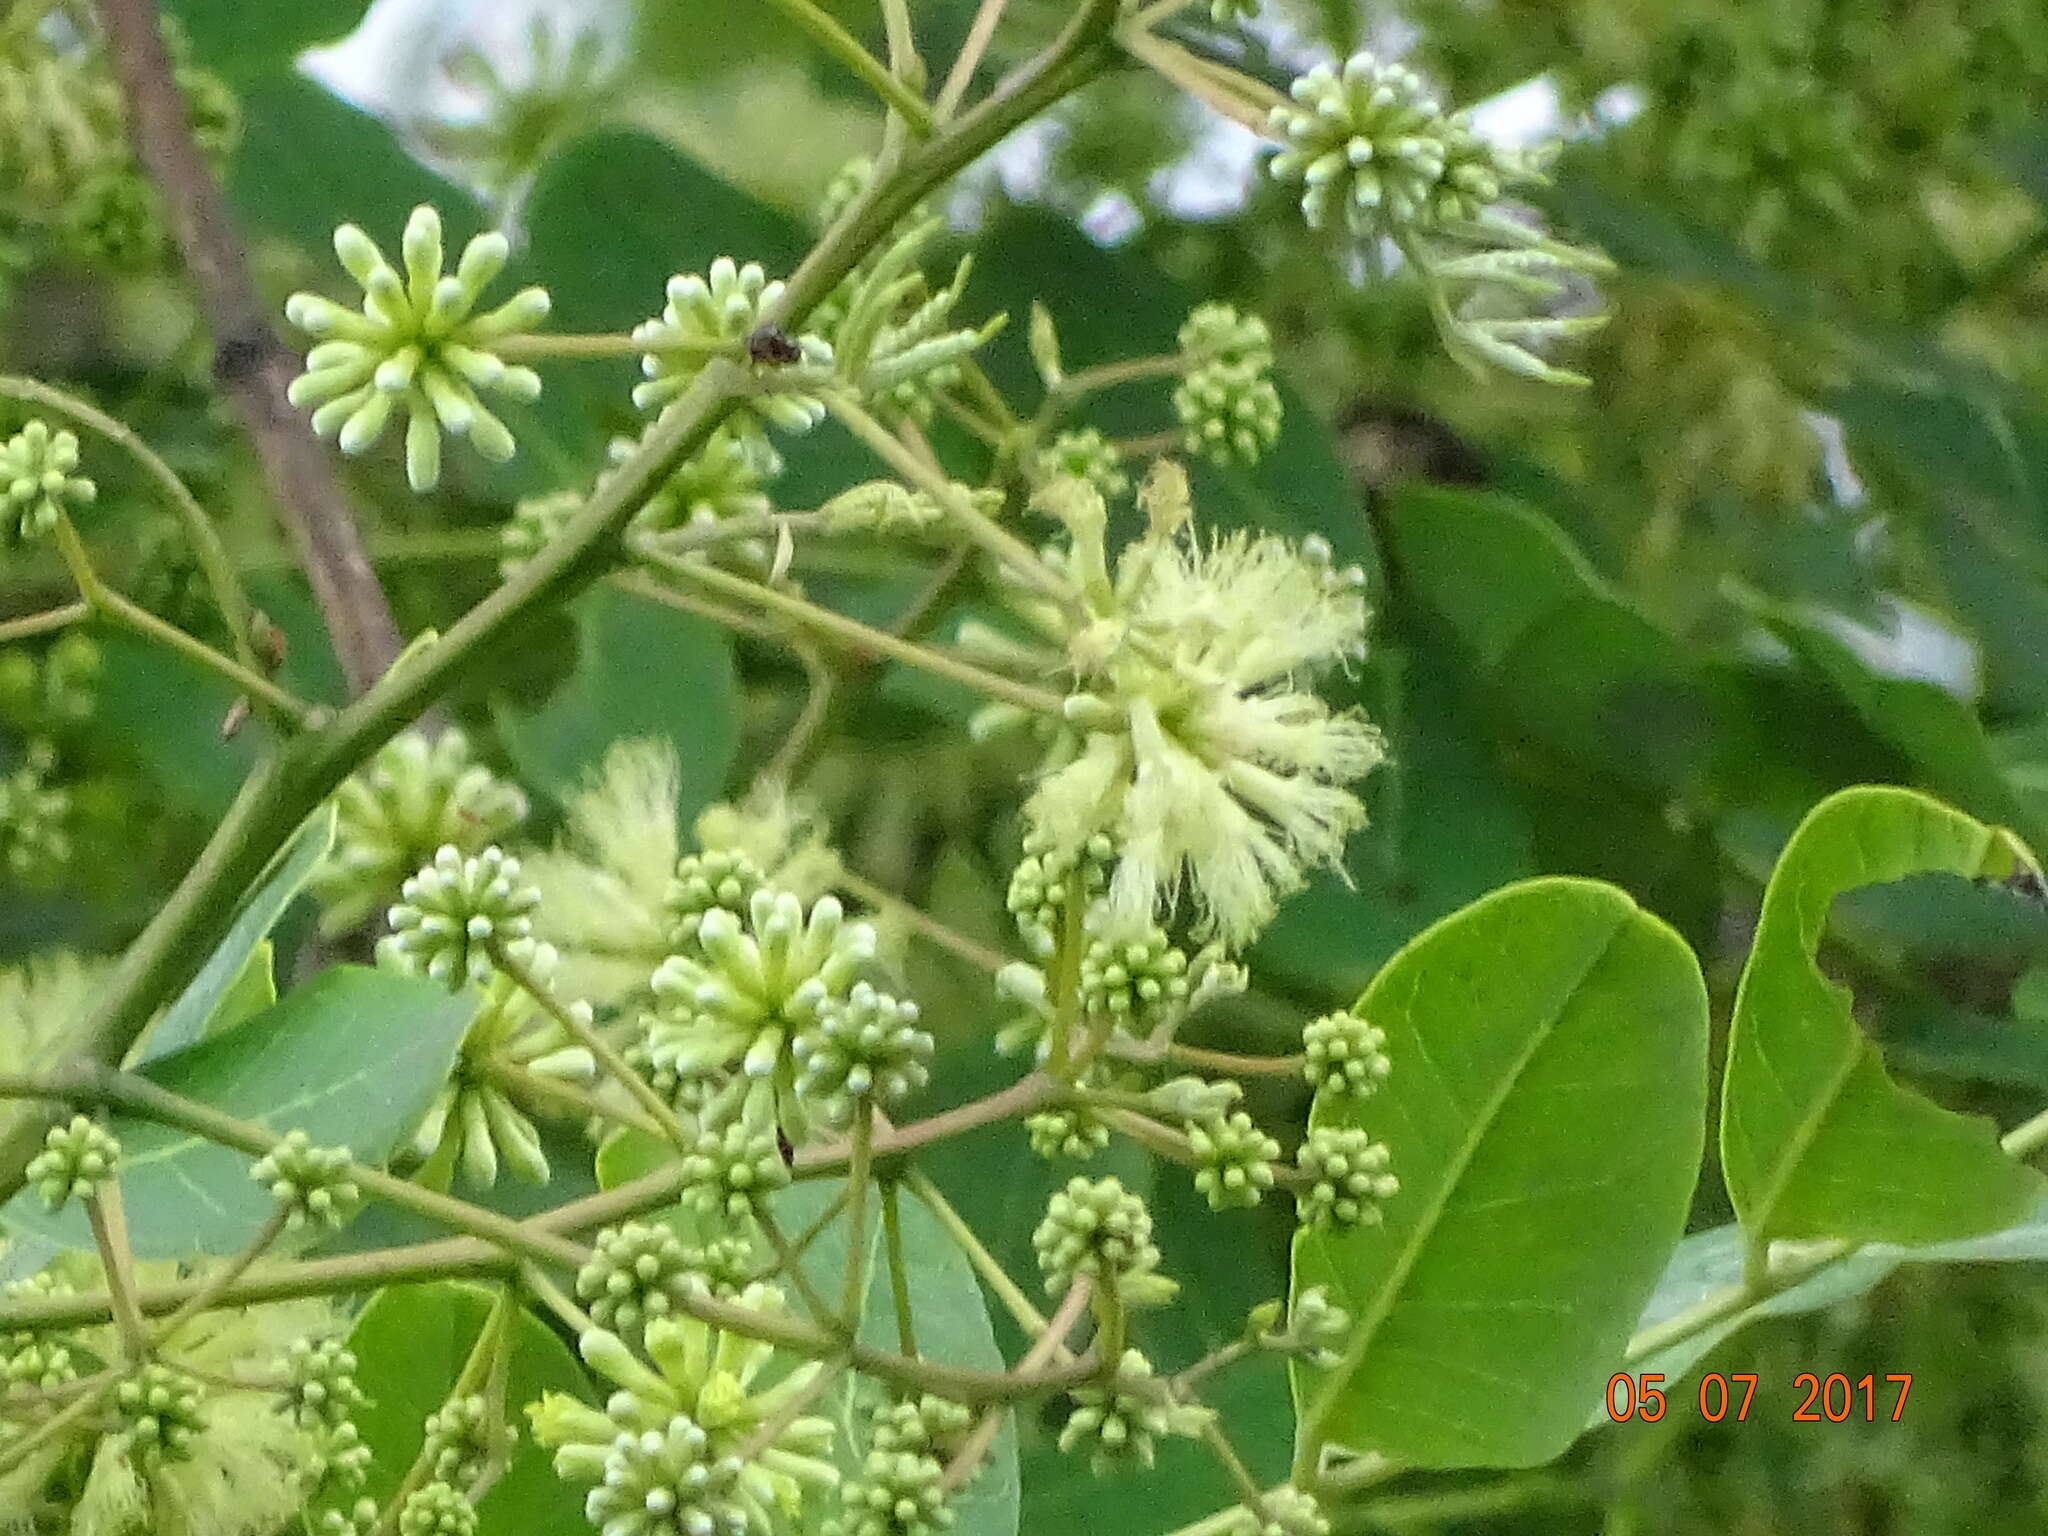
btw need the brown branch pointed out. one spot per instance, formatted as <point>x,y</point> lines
<point>249,361</point>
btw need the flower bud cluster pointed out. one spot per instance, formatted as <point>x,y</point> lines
<point>1346,1178</point>
<point>1117,1423</point>
<point>642,1271</point>
<point>1343,1053</point>
<point>1102,1231</point>
<point>722,315</point>
<point>39,481</point>
<point>311,1184</point>
<point>414,798</point>
<point>458,913</point>
<point>77,1157</point>
<point>417,343</point>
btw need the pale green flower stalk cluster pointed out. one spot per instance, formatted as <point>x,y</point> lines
<point>662,1457</point>
<point>715,316</point>
<point>1371,146</point>
<point>416,343</point>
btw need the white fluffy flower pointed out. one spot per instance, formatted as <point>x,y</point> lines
<point>1202,752</point>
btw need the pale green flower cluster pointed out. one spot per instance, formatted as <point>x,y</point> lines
<point>1368,142</point>
<point>417,343</point>
<point>717,316</point>
<point>1118,1422</point>
<point>663,1457</point>
<point>482,1118</point>
<point>415,797</point>
<point>39,480</point>
<point>458,914</point>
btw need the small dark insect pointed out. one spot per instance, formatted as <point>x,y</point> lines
<point>786,1147</point>
<point>2028,883</point>
<point>771,344</point>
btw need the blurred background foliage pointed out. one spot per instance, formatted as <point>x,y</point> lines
<point>1794,536</point>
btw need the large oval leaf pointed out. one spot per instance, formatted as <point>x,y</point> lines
<point>351,1058</point>
<point>411,1343</point>
<point>1545,1116</point>
<point>1817,1141</point>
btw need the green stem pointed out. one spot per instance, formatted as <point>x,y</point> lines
<point>214,566</point>
<point>1048,1346</point>
<point>218,1282</point>
<point>555,1299</point>
<point>103,599</point>
<point>1004,545</point>
<point>851,632</point>
<point>135,1095</point>
<point>899,1269</point>
<point>846,48</point>
<point>542,346</point>
<point>987,17</point>
<point>43,623</point>
<point>580,1030</point>
<point>790,1263</point>
<point>17,1452</point>
<point>992,1273</point>
<point>916,918</point>
<point>109,1219</point>
<point>859,1169</point>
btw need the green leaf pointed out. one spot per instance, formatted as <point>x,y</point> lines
<point>1711,1262</point>
<point>309,161</point>
<point>642,670</point>
<point>1545,1118</point>
<point>950,1315</point>
<point>1582,670</point>
<point>239,968</point>
<point>410,1345</point>
<point>1926,724</point>
<point>241,38</point>
<point>1817,1141</point>
<point>951,1321</point>
<point>352,1058</point>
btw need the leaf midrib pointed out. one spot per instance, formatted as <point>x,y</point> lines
<point>1397,1278</point>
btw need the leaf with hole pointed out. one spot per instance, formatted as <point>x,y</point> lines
<point>1817,1141</point>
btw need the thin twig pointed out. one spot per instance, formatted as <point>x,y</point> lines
<point>987,17</point>
<point>251,363</point>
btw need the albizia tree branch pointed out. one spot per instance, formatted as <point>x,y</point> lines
<point>253,365</point>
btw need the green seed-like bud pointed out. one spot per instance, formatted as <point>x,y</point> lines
<point>1103,1231</point>
<point>311,1183</point>
<point>1138,982</point>
<point>458,1440</point>
<point>1082,454</point>
<point>716,878</point>
<point>437,1509</point>
<point>1117,1423</point>
<point>728,1172</point>
<point>1220,333</point>
<point>863,1049</point>
<point>160,1410</point>
<point>1281,1512</point>
<point>1075,1132</point>
<point>323,1390</point>
<point>77,1158</point>
<point>1348,1177</point>
<point>641,1271</point>
<point>1342,1053</point>
<point>39,480</point>
<point>418,344</point>
<point>456,911</point>
<point>1230,411</point>
<point>1234,1159</point>
<point>1048,881</point>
